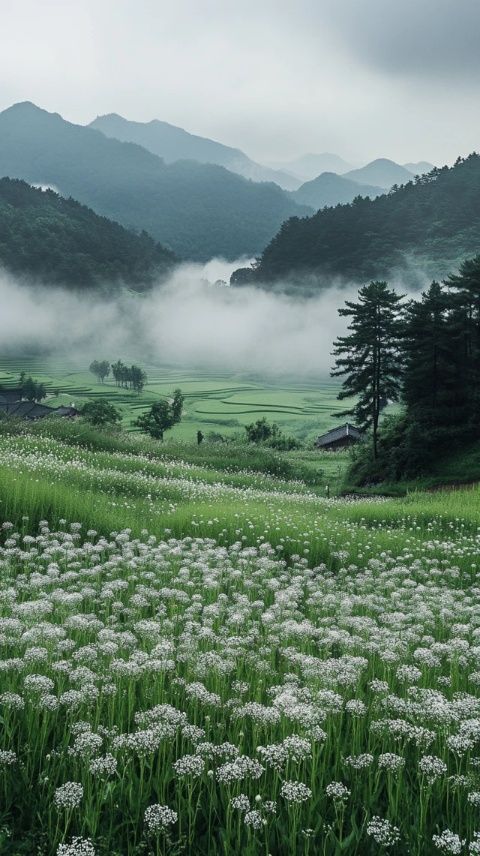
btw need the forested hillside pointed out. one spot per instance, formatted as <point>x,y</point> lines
<point>430,224</point>
<point>57,240</point>
<point>197,210</point>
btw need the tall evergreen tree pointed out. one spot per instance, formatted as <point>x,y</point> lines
<point>369,357</point>
<point>465,330</point>
<point>430,389</point>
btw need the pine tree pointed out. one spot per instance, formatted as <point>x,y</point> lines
<point>369,357</point>
<point>430,388</point>
<point>465,330</point>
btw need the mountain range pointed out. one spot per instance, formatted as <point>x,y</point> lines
<point>423,229</point>
<point>196,210</point>
<point>173,144</point>
<point>186,192</point>
<point>334,181</point>
<point>330,189</point>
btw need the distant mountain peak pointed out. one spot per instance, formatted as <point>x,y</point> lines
<point>24,105</point>
<point>382,172</point>
<point>329,189</point>
<point>28,107</point>
<point>419,168</point>
<point>382,162</point>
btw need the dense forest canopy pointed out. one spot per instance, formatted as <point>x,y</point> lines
<point>57,240</point>
<point>429,225</point>
<point>196,210</point>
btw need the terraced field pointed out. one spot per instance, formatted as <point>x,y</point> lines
<point>214,401</point>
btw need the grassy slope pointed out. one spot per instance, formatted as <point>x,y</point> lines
<point>111,483</point>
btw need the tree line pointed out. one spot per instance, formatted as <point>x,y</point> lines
<point>129,377</point>
<point>424,353</point>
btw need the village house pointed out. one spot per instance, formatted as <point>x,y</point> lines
<point>338,438</point>
<point>13,405</point>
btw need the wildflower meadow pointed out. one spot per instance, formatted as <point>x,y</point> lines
<point>238,666</point>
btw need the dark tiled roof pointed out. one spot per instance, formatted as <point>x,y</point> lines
<point>25,410</point>
<point>10,395</point>
<point>339,433</point>
<point>65,410</point>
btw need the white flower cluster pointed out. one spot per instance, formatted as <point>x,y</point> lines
<point>104,766</point>
<point>432,767</point>
<point>7,757</point>
<point>359,762</point>
<point>189,765</point>
<point>337,791</point>
<point>68,795</point>
<point>241,768</point>
<point>383,832</point>
<point>448,842</point>
<point>474,845</point>
<point>159,817</point>
<point>254,819</point>
<point>295,792</point>
<point>240,803</point>
<point>77,847</point>
<point>391,762</point>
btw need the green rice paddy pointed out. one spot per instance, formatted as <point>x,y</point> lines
<point>215,402</point>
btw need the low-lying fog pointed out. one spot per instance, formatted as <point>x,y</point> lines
<point>185,322</point>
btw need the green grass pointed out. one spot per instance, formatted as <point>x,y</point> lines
<point>98,478</point>
<point>57,470</point>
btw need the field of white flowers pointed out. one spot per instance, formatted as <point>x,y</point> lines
<point>269,673</point>
<point>181,697</point>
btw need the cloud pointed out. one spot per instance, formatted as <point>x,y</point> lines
<point>185,322</point>
<point>436,39</point>
<point>363,78</point>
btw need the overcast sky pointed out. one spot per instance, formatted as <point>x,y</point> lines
<point>277,78</point>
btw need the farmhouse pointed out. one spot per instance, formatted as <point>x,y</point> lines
<point>338,438</point>
<point>11,396</point>
<point>13,405</point>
